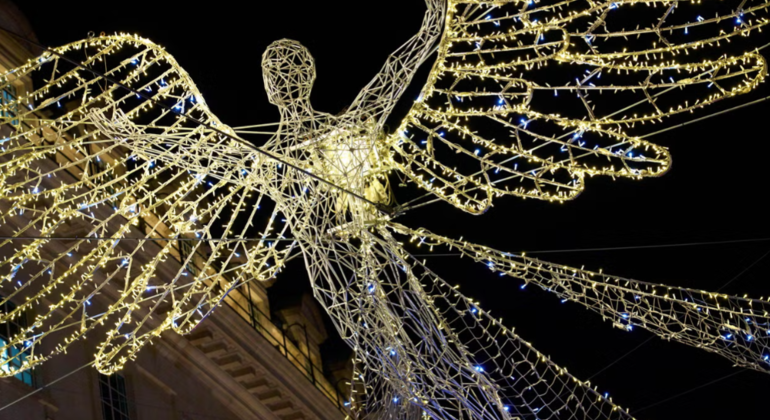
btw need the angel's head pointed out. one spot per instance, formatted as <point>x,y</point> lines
<point>288,70</point>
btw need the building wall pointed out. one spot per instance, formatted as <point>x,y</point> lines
<point>223,370</point>
<point>236,365</point>
<point>157,388</point>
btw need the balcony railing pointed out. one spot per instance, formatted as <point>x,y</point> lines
<point>242,302</point>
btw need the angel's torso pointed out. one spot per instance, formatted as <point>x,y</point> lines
<point>345,151</point>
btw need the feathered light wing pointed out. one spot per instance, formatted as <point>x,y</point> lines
<point>527,98</point>
<point>731,326</point>
<point>111,204</point>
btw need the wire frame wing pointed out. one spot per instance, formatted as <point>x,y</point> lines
<point>737,328</point>
<point>527,98</point>
<point>112,203</point>
<point>422,344</point>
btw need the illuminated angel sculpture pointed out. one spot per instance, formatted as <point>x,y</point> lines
<point>114,149</point>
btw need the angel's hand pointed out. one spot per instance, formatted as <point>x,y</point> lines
<point>433,23</point>
<point>436,5</point>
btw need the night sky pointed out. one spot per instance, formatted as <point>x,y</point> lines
<point>715,192</point>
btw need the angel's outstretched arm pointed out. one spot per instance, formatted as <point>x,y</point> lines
<point>379,97</point>
<point>734,327</point>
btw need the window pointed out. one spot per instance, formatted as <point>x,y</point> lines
<point>114,400</point>
<point>10,356</point>
<point>8,96</point>
<point>99,167</point>
<point>185,249</point>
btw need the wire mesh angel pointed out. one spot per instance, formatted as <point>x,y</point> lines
<point>115,175</point>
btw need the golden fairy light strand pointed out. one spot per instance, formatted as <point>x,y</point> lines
<point>526,98</point>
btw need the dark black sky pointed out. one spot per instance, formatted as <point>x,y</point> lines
<point>717,190</point>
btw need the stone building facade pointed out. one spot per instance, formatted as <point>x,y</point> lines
<point>244,362</point>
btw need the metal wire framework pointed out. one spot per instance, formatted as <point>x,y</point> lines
<point>116,141</point>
